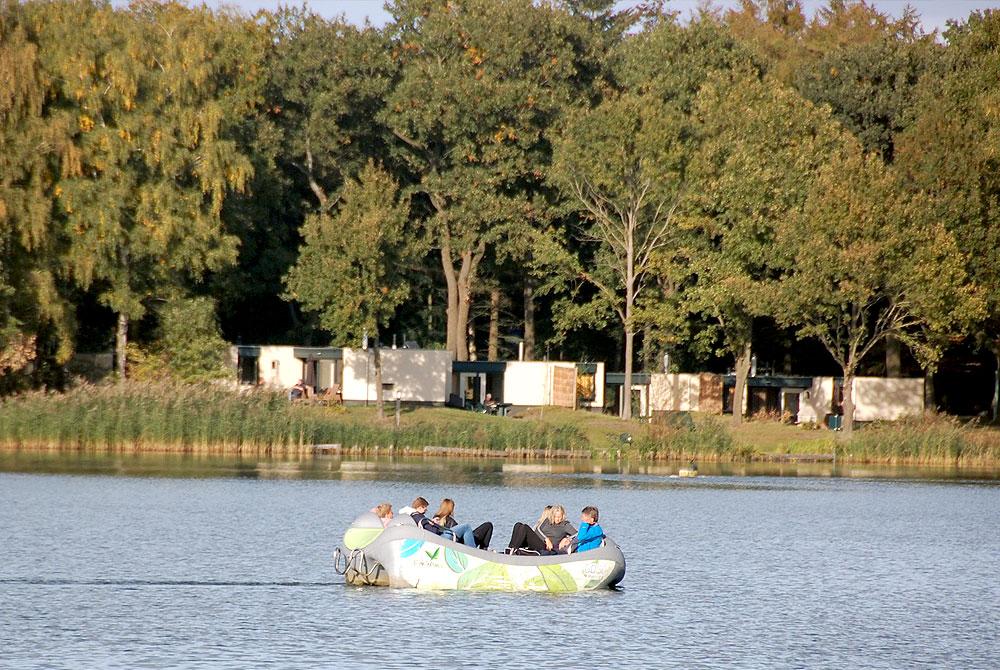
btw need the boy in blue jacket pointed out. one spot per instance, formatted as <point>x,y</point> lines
<point>590,534</point>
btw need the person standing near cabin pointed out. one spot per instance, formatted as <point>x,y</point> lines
<point>590,534</point>
<point>483,533</point>
<point>419,516</point>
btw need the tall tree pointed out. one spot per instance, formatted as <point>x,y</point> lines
<point>151,91</point>
<point>759,146</point>
<point>622,164</point>
<point>869,260</point>
<point>951,151</point>
<point>351,268</point>
<point>478,81</point>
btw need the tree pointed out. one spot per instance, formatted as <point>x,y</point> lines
<point>192,346</point>
<point>32,307</point>
<point>869,260</point>
<point>478,83</point>
<point>351,266</point>
<point>622,164</point>
<point>950,151</point>
<point>759,145</point>
<point>150,93</point>
<point>871,87</point>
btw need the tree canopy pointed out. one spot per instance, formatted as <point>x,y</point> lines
<point>592,181</point>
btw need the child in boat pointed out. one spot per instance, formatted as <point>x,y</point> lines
<point>590,534</point>
<point>483,533</point>
<point>384,512</point>
<point>419,517</point>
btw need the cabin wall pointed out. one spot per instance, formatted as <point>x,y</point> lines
<point>887,399</point>
<point>676,392</point>
<point>419,375</point>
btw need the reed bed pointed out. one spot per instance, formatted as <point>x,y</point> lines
<point>929,439</point>
<point>169,417</point>
<point>707,439</point>
<point>213,419</point>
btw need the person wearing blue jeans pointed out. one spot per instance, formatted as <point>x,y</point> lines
<point>481,535</point>
<point>419,517</point>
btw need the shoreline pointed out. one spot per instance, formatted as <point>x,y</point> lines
<point>178,418</point>
<point>458,454</point>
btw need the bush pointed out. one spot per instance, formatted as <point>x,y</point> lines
<point>708,437</point>
<point>928,438</point>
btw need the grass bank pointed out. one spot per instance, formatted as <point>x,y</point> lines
<point>191,418</point>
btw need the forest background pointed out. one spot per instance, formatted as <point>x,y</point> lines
<point>590,182</point>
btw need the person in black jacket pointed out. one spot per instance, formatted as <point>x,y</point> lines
<point>420,518</point>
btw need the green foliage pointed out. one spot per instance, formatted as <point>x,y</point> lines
<point>869,260</point>
<point>950,152</point>
<point>165,416</point>
<point>708,437</point>
<point>871,88</point>
<point>352,267</point>
<point>662,175</point>
<point>759,147</point>
<point>190,340</point>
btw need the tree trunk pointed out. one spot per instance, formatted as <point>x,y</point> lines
<point>627,386</point>
<point>629,326</point>
<point>995,405</point>
<point>929,401</point>
<point>893,356</point>
<point>377,360</point>
<point>493,344</point>
<point>464,285</point>
<point>451,283</point>
<point>529,319</point>
<point>742,372</point>
<point>847,427</point>
<point>121,341</point>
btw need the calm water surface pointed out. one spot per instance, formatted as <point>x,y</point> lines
<point>138,562</point>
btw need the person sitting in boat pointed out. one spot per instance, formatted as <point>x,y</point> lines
<point>525,539</point>
<point>420,518</point>
<point>556,530</point>
<point>483,532</point>
<point>590,534</point>
<point>384,512</point>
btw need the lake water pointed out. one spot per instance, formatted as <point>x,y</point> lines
<point>139,562</point>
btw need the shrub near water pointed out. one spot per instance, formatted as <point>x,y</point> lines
<point>207,417</point>
<point>706,438</point>
<point>929,438</point>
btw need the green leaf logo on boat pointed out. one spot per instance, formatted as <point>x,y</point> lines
<point>432,554</point>
<point>410,547</point>
<point>486,577</point>
<point>456,560</point>
<point>557,579</point>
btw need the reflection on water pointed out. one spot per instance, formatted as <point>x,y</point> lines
<point>181,561</point>
<point>451,469</point>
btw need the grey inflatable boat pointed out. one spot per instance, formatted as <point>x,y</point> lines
<point>402,555</point>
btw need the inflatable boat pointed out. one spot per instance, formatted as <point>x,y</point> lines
<point>405,556</point>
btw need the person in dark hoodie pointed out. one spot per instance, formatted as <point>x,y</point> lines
<point>419,517</point>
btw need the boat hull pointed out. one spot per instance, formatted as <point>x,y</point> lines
<point>408,557</point>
